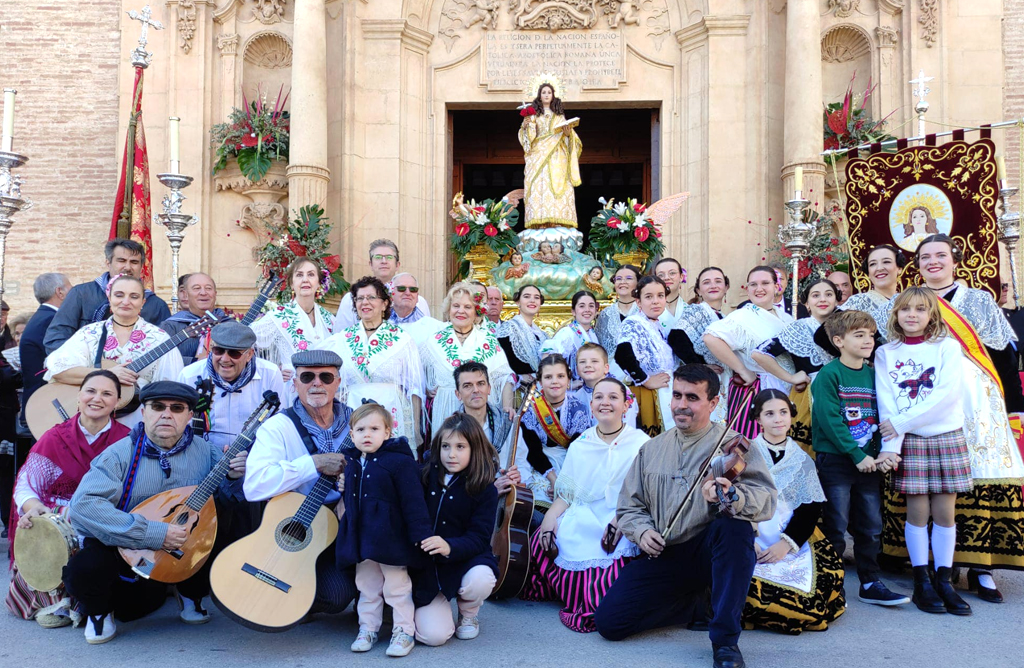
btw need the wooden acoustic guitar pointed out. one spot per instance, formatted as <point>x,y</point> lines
<point>193,508</point>
<point>39,413</point>
<point>511,540</point>
<point>267,290</point>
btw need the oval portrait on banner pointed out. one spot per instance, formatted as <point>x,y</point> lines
<point>918,211</point>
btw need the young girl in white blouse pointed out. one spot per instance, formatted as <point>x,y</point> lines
<point>917,378</point>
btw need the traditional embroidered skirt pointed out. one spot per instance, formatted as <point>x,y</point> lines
<point>989,526</point>
<point>25,602</point>
<point>787,609</point>
<point>580,592</point>
<point>800,431</point>
<point>934,465</point>
<point>746,424</point>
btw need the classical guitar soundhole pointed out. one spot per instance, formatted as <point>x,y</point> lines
<point>291,535</point>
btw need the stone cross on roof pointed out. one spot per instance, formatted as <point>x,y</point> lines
<point>141,57</point>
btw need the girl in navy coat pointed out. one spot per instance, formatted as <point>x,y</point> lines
<point>383,522</point>
<point>462,501</point>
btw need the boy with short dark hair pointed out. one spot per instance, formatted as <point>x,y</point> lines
<point>844,427</point>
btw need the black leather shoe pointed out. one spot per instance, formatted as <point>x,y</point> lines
<point>728,656</point>
<point>925,596</point>
<point>984,593</point>
<point>954,604</point>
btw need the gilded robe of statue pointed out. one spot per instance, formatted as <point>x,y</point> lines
<point>552,171</point>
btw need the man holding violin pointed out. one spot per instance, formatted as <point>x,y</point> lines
<point>694,535</point>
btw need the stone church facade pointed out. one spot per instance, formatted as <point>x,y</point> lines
<point>731,93</point>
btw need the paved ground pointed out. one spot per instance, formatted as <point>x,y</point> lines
<point>519,633</point>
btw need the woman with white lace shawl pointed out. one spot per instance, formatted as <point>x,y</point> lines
<point>578,551</point>
<point>580,330</point>
<point>882,265</point>
<point>463,338</point>
<point>381,361</point>
<point>609,320</point>
<point>644,353</point>
<point>798,580</point>
<point>795,358</point>
<point>520,338</point>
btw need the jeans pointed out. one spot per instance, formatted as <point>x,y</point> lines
<point>854,503</point>
<point>651,593</point>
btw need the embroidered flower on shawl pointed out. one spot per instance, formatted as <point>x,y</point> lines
<point>298,331</point>
<point>136,336</point>
<point>280,308</point>
<point>456,363</point>
<point>111,343</point>
<point>360,360</point>
<point>301,345</point>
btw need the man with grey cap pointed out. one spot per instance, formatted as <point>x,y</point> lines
<point>292,450</point>
<point>159,454</point>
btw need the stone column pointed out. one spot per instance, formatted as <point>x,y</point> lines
<point>803,126</point>
<point>308,174</point>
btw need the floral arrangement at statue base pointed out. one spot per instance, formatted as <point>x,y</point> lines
<point>828,251</point>
<point>847,125</point>
<point>625,232</point>
<point>308,235</point>
<point>482,233</point>
<point>255,136</point>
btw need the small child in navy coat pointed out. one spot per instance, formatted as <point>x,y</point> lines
<point>463,502</point>
<point>384,520</point>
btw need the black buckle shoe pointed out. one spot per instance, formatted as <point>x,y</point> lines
<point>984,593</point>
<point>728,656</point>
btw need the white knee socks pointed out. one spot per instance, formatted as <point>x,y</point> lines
<point>943,545</point>
<point>917,544</point>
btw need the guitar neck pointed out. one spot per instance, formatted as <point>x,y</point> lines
<point>254,309</point>
<point>311,505</point>
<point>156,353</point>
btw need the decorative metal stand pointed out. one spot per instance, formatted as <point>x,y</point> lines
<point>11,202</point>
<point>1009,231</point>
<point>796,236</point>
<point>176,223</point>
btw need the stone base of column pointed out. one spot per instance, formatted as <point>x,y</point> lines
<point>307,184</point>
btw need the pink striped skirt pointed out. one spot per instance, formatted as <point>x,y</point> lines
<point>746,424</point>
<point>580,592</point>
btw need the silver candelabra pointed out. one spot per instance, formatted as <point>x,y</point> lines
<point>11,202</point>
<point>1009,231</point>
<point>796,236</point>
<point>176,223</point>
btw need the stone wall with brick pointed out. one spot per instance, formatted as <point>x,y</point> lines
<point>63,59</point>
<point>1013,89</point>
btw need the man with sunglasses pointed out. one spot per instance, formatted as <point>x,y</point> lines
<point>298,445</point>
<point>384,264</point>
<point>159,454</point>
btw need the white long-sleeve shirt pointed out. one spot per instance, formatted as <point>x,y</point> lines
<point>279,462</point>
<point>918,387</point>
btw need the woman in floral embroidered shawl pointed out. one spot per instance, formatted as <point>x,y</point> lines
<point>381,361</point>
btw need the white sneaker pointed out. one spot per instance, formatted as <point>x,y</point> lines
<point>191,611</point>
<point>52,621</point>
<point>401,643</point>
<point>364,641</point>
<point>99,630</point>
<point>469,628</point>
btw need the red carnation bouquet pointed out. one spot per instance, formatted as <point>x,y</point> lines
<point>306,236</point>
<point>624,227</point>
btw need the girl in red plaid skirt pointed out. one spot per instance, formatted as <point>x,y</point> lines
<point>921,408</point>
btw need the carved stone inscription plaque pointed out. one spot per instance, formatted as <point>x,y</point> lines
<point>582,59</point>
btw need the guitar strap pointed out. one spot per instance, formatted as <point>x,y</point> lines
<point>98,360</point>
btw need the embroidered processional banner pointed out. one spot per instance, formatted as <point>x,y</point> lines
<point>900,198</point>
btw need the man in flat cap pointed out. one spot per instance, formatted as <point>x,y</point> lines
<point>298,445</point>
<point>159,454</point>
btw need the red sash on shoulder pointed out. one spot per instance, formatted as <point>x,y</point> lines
<point>548,419</point>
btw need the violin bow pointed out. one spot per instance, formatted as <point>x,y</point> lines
<point>706,466</point>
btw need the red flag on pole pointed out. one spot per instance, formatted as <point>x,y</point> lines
<point>133,209</point>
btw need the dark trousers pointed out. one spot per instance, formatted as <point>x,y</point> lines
<point>103,582</point>
<point>651,593</point>
<point>854,504</point>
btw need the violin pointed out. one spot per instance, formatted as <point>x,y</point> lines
<point>729,465</point>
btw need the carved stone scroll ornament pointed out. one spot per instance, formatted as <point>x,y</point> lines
<point>261,218</point>
<point>268,11</point>
<point>186,23</point>
<point>553,15</point>
<point>843,8</point>
<point>929,21</point>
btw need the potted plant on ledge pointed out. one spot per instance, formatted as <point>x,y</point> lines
<point>255,136</point>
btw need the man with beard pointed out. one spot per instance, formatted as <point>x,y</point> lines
<point>201,296</point>
<point>704,547</point>
<point>296,446</point>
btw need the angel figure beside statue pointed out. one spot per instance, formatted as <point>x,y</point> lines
<point>552,151</point>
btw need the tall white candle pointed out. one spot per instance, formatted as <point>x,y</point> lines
<point>1000,168</point>
<point>799,179</point>
<point>173,128</point>
<point>8,128</point>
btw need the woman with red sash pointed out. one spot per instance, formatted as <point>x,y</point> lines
<point>986,516</point>
<point>49,478</point>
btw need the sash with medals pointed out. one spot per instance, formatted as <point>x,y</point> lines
<point>549,422</point>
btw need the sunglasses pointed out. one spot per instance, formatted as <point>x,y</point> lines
<point>307,377</point>
<point>233,354</point>
<point>411,288</point>
<point>160,407</point>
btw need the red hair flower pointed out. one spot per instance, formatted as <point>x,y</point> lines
<point>490,230</point>
<point>641,233</point>
<point>462,229</point>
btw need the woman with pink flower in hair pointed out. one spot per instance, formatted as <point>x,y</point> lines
<point>300,324</point>
<point>121,338</point>
<point>381,361</point>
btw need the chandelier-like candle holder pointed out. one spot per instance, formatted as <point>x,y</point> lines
<point>796,236</point>
<point>176,223</point>
<point>1009,231</point>
<point>11,202</point>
